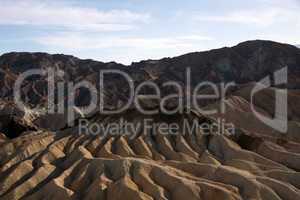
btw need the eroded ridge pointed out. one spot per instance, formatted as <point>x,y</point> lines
<point>66,165</point>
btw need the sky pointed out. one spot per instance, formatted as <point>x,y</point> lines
<point>127,31</point>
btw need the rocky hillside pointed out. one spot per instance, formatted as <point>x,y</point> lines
<point>43,158</point>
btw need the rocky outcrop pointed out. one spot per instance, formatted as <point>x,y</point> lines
<point>71,166</point>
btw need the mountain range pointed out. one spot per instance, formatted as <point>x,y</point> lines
<point>42,157</point>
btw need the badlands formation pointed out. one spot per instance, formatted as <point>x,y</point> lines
<point>41,157</point>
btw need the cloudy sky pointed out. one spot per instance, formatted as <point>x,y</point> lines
<point>133,30</point>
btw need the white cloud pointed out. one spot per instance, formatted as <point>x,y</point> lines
<point>68,16</point>
<point>125,49</point>
<point>81,42</point>
<point>261,17</point>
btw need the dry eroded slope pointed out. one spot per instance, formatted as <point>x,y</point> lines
<point>44,165</point>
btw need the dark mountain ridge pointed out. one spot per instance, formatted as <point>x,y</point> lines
<point>248,61</point>
<point>244,63</point>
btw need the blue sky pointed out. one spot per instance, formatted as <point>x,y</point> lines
<point>133,30</point>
